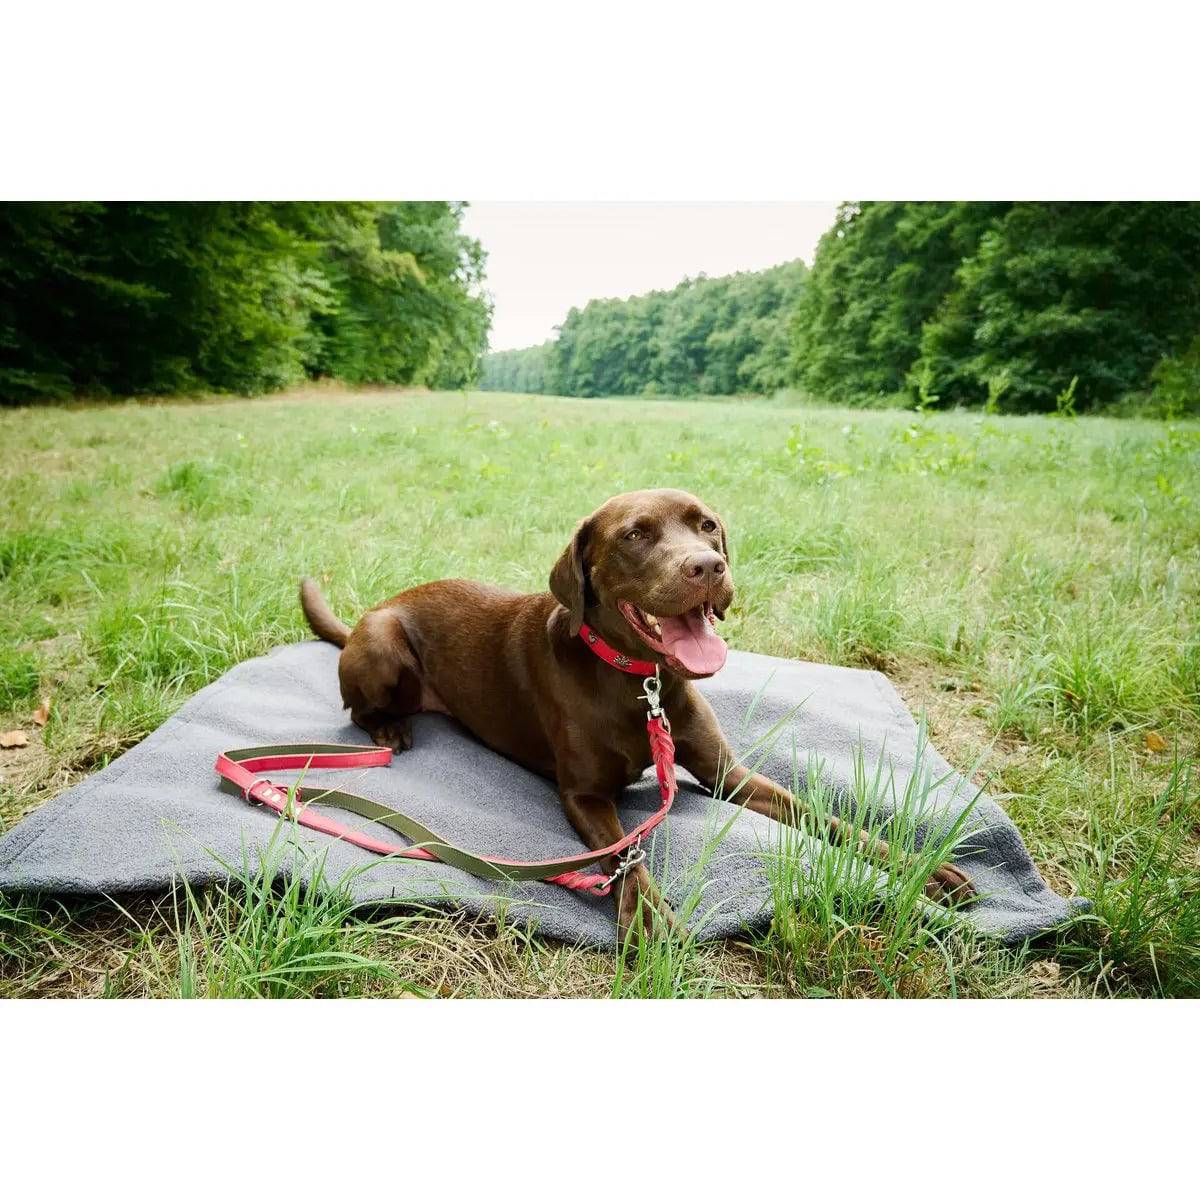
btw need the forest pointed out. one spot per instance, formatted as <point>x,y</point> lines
<point>720,336</point>
<point>248,297</point>
<point>1007,306</point>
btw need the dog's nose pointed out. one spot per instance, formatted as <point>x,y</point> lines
<point>704,565</point>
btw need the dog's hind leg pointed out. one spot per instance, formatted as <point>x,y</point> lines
<point>380,679</point>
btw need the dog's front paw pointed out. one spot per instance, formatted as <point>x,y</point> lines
<point>395,735</point>
<point>949,885</point>
<point>641,907</point>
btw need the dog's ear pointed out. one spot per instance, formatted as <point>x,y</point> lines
<point>568,578</point>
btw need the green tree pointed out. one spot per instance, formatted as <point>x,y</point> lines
<point>1098,293</point>
<point>406,307</point>
<point>879,274</point>
<point>242,297</point>
<point>706,336</point>
<point>518,370</point>
<point>1000,304</point>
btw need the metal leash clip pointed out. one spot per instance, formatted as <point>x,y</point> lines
<point>651,693</point>
<point>630,859</point>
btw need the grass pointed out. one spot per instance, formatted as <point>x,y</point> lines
<point>841,928</point>
<point>1031,584</point>
<point>255,937</point>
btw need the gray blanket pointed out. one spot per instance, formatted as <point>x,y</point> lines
<point>156,813</point>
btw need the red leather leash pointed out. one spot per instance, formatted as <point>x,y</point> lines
<point>241,767</point>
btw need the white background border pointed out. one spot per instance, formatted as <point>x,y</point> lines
<point>926,99</point>
<point>615,101</point>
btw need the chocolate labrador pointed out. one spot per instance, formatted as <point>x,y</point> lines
<point>648,571</point>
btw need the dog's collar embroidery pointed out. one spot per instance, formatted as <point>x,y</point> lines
<point>599,647</point>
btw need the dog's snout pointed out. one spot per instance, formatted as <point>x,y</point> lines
<point>697,567</point>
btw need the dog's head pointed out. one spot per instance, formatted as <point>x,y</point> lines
<point>660,559</point>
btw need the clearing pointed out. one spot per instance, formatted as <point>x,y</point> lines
<point>1032,583</point>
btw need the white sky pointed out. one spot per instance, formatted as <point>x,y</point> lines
<point>543,258</point>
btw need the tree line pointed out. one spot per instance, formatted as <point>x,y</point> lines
<point>719,336</point>
<point>157,298</point>
<point>1013,306</point>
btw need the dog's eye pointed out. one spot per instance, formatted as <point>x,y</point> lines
<point>633,535</point>
<point>708,525</point>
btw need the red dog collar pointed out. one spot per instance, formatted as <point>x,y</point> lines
<point>599,647</point>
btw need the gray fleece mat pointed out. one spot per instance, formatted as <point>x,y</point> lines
<point>156,814</point>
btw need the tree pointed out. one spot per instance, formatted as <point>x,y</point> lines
<point>405,303</point>
<point>1095,293</point>
<point>518,370</point>
<point>706,336</point>
<point>242,297</point>
<point>879,274</point>
<point>956,303</point>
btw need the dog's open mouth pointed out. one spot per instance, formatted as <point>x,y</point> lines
<point>688,641</point>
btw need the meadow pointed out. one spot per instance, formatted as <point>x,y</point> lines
<point>1031,585</point>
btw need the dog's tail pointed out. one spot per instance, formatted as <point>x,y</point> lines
<point>320,616</point>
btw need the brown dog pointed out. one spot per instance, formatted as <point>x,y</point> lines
<point>649,572</point>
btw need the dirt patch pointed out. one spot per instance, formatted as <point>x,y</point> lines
<point>959,730</point>
<point>28,778</point>
<point>957,727</point>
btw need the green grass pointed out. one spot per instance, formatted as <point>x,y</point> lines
<point>254,937</point>
<point>843,928</point>
<point>1032,584</point>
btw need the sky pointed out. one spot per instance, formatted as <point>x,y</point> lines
<point>545,258</point>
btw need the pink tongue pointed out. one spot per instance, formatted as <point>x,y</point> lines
<point>693,641</point>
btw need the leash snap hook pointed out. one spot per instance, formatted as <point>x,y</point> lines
<point>652,692</point>
<point>630,859</point>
